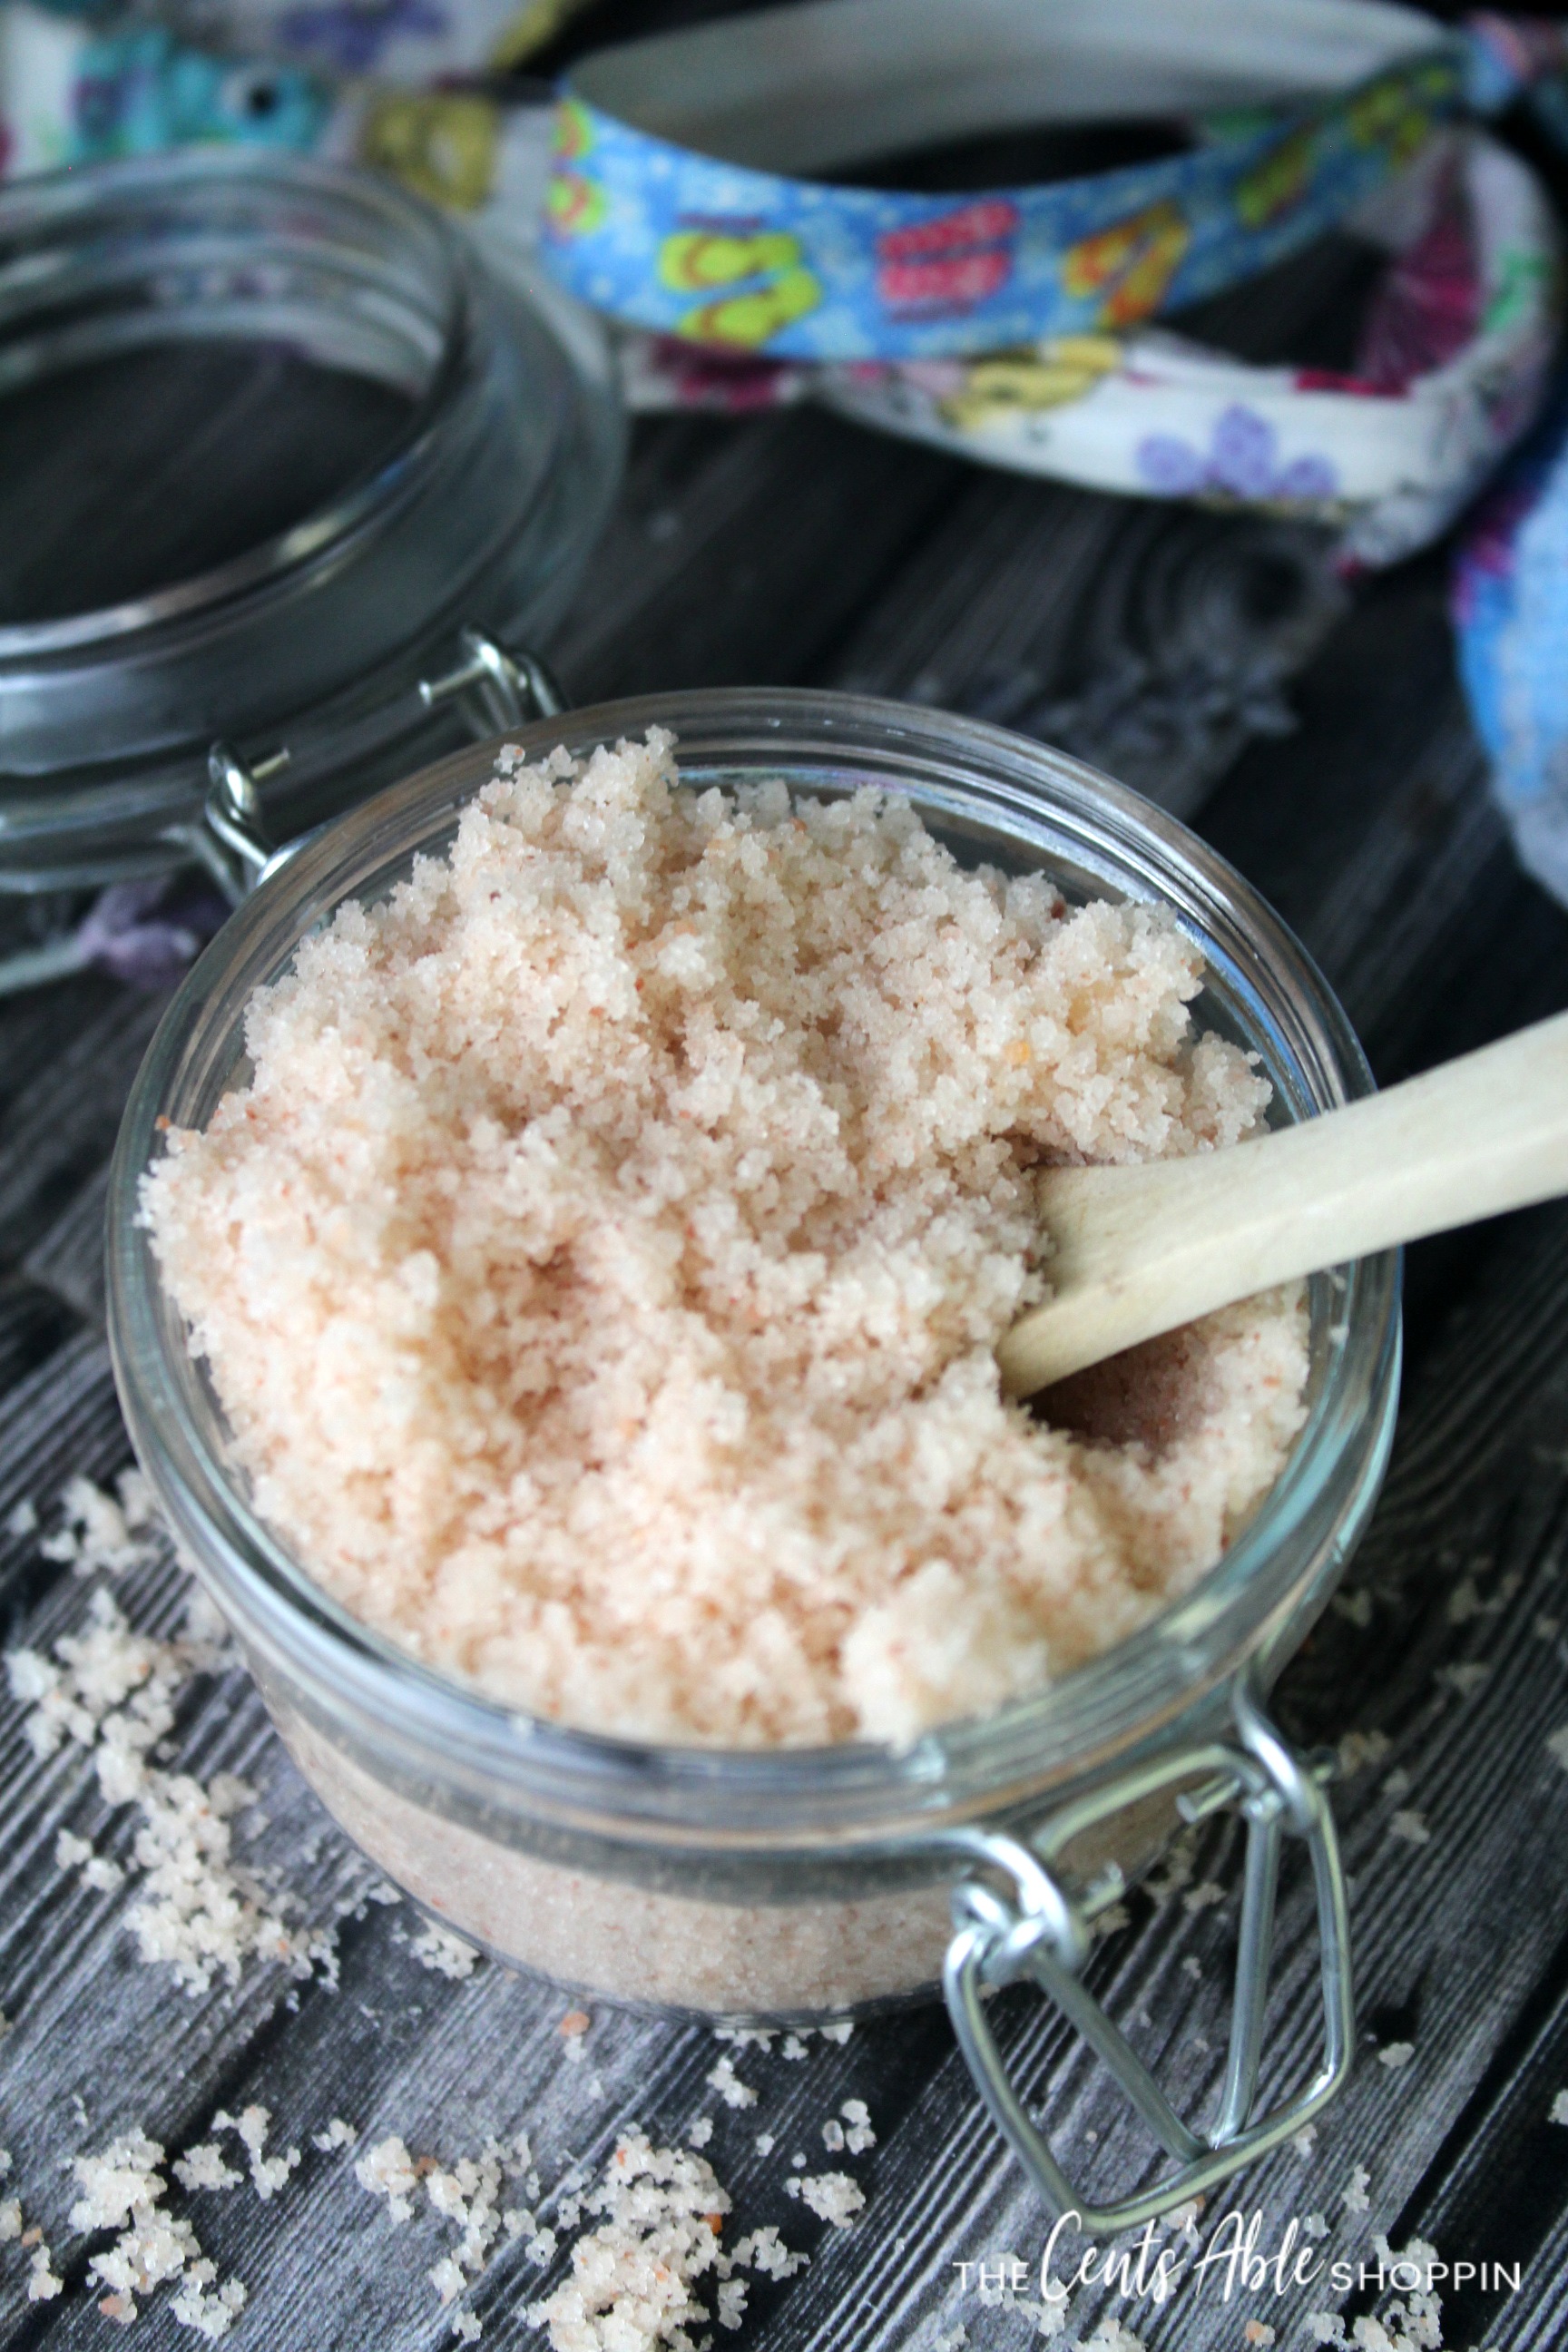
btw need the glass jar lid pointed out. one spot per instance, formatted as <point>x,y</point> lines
<point>272,436</point>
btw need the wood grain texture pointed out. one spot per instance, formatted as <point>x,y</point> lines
<point>798,548</point>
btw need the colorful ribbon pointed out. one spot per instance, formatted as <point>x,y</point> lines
<point>1453,363</point>
<point>663,216</point>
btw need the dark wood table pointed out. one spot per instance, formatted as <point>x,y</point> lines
<point>1316,736</point>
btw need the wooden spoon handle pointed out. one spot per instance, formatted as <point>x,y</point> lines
<point>1140,1250</point>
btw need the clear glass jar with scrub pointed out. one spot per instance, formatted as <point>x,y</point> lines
<point>272,436</point>
<point>789,1883</point>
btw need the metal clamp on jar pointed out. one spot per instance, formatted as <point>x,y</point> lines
<point>793,1883</point>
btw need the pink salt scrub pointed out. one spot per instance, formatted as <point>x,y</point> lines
<point>601,1268</point>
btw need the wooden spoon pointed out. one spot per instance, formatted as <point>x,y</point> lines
<point>1140,1250</point>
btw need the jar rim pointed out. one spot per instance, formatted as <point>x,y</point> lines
<point>70,198</point>
<point>852,1792</point>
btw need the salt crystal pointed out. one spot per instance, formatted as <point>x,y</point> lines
<point>832,2196</point>
<point>387,2171</point>
<point>448,1954</point>
<point>203,2168</point>
<point>1357,1750</point>
<point>632,2278</point>
<point>723,2079</point>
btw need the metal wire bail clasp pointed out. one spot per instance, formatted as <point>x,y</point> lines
<point>232,840</point>
<point>499,689</point>
<point>1041,1930</point>
<point>502,690</point>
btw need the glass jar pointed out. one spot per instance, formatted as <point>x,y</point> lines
<point>479,437</point>
<point>790,1883</point>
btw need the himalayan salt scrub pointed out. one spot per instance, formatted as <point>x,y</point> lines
<point>601,1268</point>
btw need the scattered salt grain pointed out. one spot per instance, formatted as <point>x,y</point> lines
<point>859,2135</point>
<point>22,1517</point>
<point>632,2277</point>
<point>203,2168</point>
<point>337,2134</point>
<point>723,2079</point>
<point>1357,1750</point>
<point>765,2143</point>
<point>840,2031</point>
<point>832,2196</point>
<point>766,2251</point>
<point>1325,2326</point>
<point>250,2127</point>
<point>43,2285</point>
<point>123,2189</point>
<point>111,1692</point>
<point>1258,2331</point>
<point>447,2279</point>
<point>387,2171</point>
<point>730,2300</point>
<point>1411,1826</point>
<point>1396,2053</point>
<point>103,1533</point>
<point>1191,1967</point>
<point>1304,2140</point>
<point>793,2047</point>
<point>832,2136</point>
<point>1203,1897</point>
<point>1316,2225</point>
<point>700,2131</point>
<point>467,2326</point>
<point>1557,1747</point>
<point>1110,2335</point>
<point>1356,2200</point>
<point>1465,1678</point>
<point>448,1954</point>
